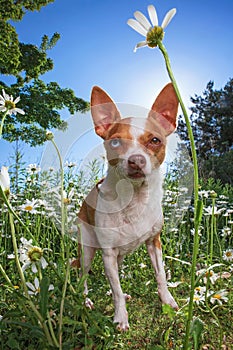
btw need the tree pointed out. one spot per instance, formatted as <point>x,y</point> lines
<point>41,102</point>
<point>212,122</point>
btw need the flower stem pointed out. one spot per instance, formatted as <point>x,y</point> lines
<point>64,289</point>
<point>19,268</point>
<point>197,203</point>
<point>11,210</point>
<point>2,123</point>
<point>62,188</point>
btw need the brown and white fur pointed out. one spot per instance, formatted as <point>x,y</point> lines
<point>124,210</point>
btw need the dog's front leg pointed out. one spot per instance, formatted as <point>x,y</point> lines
<point>154,249</point>
<point>111,269</point>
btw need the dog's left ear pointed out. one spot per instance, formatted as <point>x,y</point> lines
<point>165,108</point>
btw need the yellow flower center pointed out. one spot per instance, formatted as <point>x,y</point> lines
<point>228,254</point>
<point>28,208</point>
<point>209,274</point>
<point>9,105</point>
<point>35,254</point>
<point>154,35</point>
<point>66,201</point>
<point>217,296</point>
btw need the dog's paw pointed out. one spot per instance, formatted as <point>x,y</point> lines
<point>122,321</point>
<point>167,298</point>
<point>89,304</point>
<point>123,327</point>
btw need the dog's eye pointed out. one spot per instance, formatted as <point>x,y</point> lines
<point>155,141</point>
<point>114,143</point>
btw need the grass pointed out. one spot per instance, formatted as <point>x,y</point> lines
<point>54,315</point>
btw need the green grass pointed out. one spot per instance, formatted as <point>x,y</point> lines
<point>152,326</point>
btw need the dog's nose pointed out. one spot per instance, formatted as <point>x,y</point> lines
<point>137,161</point>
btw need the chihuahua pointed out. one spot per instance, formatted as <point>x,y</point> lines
<point>124,210</point>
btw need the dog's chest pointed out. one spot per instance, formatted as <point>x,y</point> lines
<point>127,217</point>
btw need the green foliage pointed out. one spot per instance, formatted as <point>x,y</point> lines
<point>27,63</point>
<point>152,326</point>
<point>212,123</point>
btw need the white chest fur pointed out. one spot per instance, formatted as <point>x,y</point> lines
<point>127,214</point>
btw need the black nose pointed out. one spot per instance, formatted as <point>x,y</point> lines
<point>137,161</point>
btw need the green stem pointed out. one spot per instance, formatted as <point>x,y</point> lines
<point>5,276</point>
<point>197,203</point>
<point>212,232</point>
<point>64,289</point>
<point>2,123</point>
<point>62,188</point>
<point>19,268</point>
<point>11,210</point>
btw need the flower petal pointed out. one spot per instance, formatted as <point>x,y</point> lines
<point>18,110</point>
<point>51,287</point>
<point>153,15</point>
<point>140,44</point>
<point>30,285</point>
<point>168,18</point>
<point>34,268</point>
<point>43,262</point>
<point>142,20</point>
<point>17,100</point>
<point>37,283</point>
<point>137,26</point>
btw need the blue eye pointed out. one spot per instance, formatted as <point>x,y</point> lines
<point>114,143</point>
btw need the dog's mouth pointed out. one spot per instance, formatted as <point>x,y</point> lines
<point>135,174</point>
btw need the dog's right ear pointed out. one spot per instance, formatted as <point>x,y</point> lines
<point>104,111</point>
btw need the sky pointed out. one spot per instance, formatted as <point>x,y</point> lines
<point>96,48</point>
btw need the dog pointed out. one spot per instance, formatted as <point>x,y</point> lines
<point>124,209</point>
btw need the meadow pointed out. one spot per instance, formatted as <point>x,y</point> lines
<point>42,303</point>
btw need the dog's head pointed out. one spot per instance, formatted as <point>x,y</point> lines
<point>135,146</point>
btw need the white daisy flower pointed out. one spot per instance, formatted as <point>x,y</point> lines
<point>228,255</point>
<point>219,297</point>
<point>208,275</point>
<point>30,206</point>
<point>5,180</point>
<point>30,255</point>
<point>70,164</point>
<point>199,298</point>
<point>7,104</point>
<point>33,169</point>
<point>150,30</point>
<point>213,210</point>
<point>35,288</point>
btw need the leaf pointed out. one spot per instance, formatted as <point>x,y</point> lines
<point>197,327</point>
<point>44,293</point>
<point>169,311</point>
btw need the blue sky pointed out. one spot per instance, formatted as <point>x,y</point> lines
<point>96,48</point>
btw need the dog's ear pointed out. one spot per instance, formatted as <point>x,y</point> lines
<point>104,111</point>
<point>164,109</point>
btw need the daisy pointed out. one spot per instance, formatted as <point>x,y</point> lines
<point>228,255</point>
<point>35,288</point>
<point>213,210</point>
<point>5,180</point>
<point>70,164</point>
<point>219,297</point>
<point>150,30</point>
<point>198,298</point>
<point>208,275</point>
<point>33,169</point>
<point>30,206</point>
<point>8,105</point>
<point>30,255</point>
